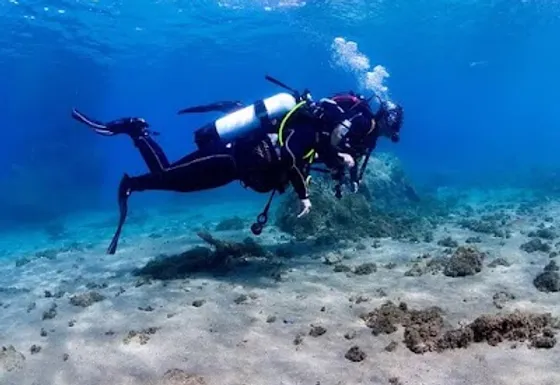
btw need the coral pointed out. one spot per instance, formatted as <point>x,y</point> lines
<point>448,242</point>
<point>51,313</point>
<point>473,240</point>
<point>365,269</point>
<point>11,359</point>
<point>86,299</point>
<point>535,244</point>
<point>425,329</point>
<point>464,261</point>
<point>547,281</point>
<point>143,336</point>
<point>224,256</point>
<point>355,354</point>
<point>499,262</point>
<point>317,331</point>
<point>180,377</point>
<point>385,206</point>
<point>545,233</point>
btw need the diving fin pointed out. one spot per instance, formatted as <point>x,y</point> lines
<point>124,193</point>
<point>222,106</point>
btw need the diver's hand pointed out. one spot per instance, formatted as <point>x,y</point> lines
<point>347,159</point>
<point>306,207</point>
<point>354,186</point>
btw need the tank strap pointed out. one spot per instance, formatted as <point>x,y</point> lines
<point>311,154</point>
<point>262,115</point>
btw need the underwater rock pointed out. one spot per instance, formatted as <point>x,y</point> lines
<point>342,268</point>
<point>317,331</point>
<point>65,357</point>
<point>552,266</point>
<point>147,308</point>
<point>22,261</point>
<point>271,319</point>
<point>43,332</point>
<point>464,261</point>
<point>93,285</point>
<point>51,313</point>
<point>86,299</point>
<point>427,266</point>
<point>180,377</point>
<point>473,240</point>
<point>31,307</point>
<point>35,349</point>
<point>365,269</point>
<point>535,244</point>
<point>547,281</point>
<point>298,340</point>
<point>499,262</point>
<point>355,354</point>
<point>448,242</point>
<point>395,381</point>
<point>11,359</point>
<point>350,335</point>
<point>224,256</point>
<point>415,271</point>
<point>385,206</point>
<point>49,254</point>
<point>425,329</point>
<point>231,224</point>
<point>391,347</point>
<point>547,233</point>
<point>241,299</point>
<point>516,326</point>
<point>198,302</point>
<point>142,336</point>
<point>332,259</point>
<point>481,226</point>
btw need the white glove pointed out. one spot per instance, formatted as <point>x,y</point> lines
<point>348,160</point>
<point>354,187</point>
<point>306,207</point>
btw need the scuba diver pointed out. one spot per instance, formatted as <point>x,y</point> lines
<point>357,133</point>
<point>267,146</point>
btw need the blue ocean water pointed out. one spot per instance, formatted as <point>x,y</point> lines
<point>478,81</point>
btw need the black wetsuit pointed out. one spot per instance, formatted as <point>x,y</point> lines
<point>258,164</point>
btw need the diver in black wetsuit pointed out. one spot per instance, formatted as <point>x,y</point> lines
<point>357,134</point>
<point>264,163</point>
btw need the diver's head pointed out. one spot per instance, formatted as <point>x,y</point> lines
<point>389,119</point>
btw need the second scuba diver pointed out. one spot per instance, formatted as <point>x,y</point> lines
<point>267,146</point>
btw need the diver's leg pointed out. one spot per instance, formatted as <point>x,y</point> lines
<point>195,172</point>
<point>152,153</point>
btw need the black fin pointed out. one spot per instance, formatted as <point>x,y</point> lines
<point>123,211</point>
<point>222,106</point>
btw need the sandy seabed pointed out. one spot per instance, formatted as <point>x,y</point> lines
<point>283,320</point>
